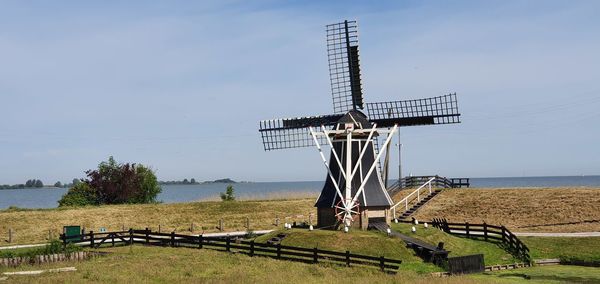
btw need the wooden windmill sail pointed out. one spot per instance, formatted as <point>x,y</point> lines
<point>354,191</point>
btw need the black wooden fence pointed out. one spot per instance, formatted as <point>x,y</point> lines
<point>487,232</point>
<point>251,248</point>
<point>466,264</point>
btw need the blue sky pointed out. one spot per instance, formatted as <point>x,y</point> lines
<point>181,85</point>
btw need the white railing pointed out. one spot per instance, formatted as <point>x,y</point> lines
<point>417,191</point>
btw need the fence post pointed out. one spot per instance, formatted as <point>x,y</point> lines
<point>221,225</point>
<point>92,239</point>
<point>147,232</point>
<point>347,258</point>
<point>247,223</point>
<point>277,221</point>
<point>382,263</point>
<point>315,255</point>
<point>201,241</point>
<point>485,231</point>
<point>467,228</point>
<point>503,236</point>
<point>251,248</point>
<point>192,227</point>
<point>113,239</point>
<point>10,235</point>
<point>278,250</point>
<point>130,236</point>
<point>159,228</point>
<point>228,244</point>
<point>173,238</point>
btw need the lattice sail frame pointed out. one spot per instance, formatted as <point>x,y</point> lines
<point>294,132</point>
<point>289,133</point>
<point>435,110</point>
<point>344,66</point>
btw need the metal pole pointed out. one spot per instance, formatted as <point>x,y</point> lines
<point>399,160</point>
<point>348,169</point>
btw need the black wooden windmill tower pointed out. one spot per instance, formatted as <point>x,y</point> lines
<point>354,191</point>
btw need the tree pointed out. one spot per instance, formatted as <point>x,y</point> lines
<point>58,184</point>
<point>80,194</point>
<point>76,181</point>
<point>38,183</point>
<point>116,183</point>
<point>193,181</point>
<point>229,194</point>
<point>29,183</point>
<point>185,181</point>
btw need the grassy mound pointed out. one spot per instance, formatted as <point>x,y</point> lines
<point>519,209</point>
<point>493,252</point>
<point>356,241</point>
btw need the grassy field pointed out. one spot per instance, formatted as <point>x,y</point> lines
<point>354,241</point>
<point>493,252</point>
<point>32,226</point>
<point>585,249</point>
<point>140,264</point>
<point>521,210</point>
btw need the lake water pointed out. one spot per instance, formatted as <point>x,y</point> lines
<point>48,197</point>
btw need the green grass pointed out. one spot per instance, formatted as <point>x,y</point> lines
<point>356,241</point>
<point>543,274</point>
<point>139,264</point>
<point>585,249</point>
<point>493,252</point>
<point>55,246</point>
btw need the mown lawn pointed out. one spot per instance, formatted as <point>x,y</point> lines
<point>543,274</point>
<point>585,249</point>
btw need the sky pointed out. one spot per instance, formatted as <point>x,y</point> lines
<point>181,85</point>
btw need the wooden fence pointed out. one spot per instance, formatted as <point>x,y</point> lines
<point>251,248</point>
<point>487,232</point>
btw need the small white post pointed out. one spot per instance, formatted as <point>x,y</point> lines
<point>406,203</point>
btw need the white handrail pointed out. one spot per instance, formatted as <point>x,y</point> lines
<point>417,191</point>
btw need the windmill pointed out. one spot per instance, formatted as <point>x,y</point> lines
<point>354,191</point>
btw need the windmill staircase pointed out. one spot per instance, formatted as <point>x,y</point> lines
<point>421,195</point>
<point>418,205</point>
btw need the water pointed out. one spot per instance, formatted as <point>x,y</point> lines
<point>562,181</point>
<point>48,197</point>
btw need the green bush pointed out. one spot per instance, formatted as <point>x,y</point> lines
<point>80,194</point>
<point>114,183</point>
<point>229,194</point>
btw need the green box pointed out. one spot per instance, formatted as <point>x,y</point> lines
<point>72,233</point>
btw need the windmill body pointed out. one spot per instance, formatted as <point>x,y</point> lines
<point>354,191</point>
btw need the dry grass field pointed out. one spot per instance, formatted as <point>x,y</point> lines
<point>521,210</point>
<point>32,226</point>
